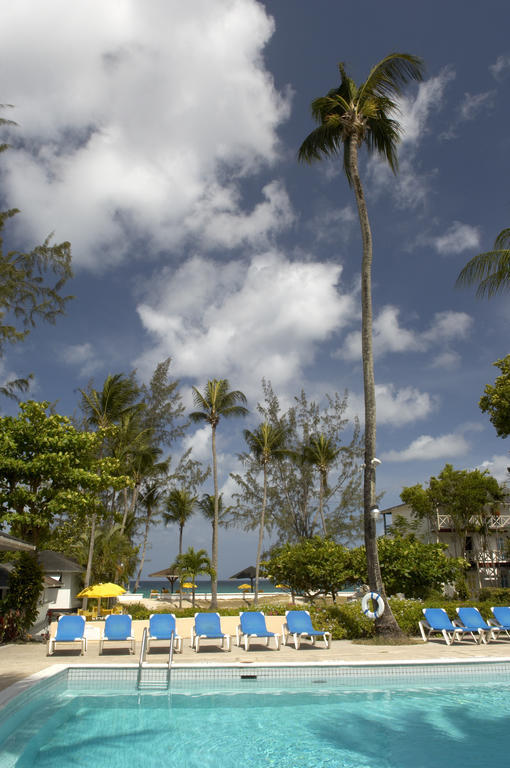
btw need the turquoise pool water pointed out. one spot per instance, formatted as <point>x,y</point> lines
<point>317,724</point>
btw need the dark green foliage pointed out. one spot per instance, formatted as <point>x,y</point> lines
<point>18,611</point>
<point>411,566</point>
<point>495,595</point>
<point>496,400</point>
<point>311,566</point>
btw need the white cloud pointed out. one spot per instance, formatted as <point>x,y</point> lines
<point>426,447</point>
<point>200,443</point>
<point>138,121</point>
<point>501,67</point>
<point>474,102</point>
<point>410,186</point>
<point>389,336</point>
<point>457,239</point>
<point>497,465</point>
<point>395,406</point>
<point>243,320</point>
<point>333,224</point>
<point>81,355</point>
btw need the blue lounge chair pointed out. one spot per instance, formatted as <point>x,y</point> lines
<point>437,620</point>
<point>118,629</point>
<point>472,619</point>
<point>253,626</point>
<point>161,626</point>
<point>208,627</point>
<point>299,625</point>
<point>70,629</point>
<point>501,620</point>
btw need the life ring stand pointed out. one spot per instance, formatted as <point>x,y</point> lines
<point>376,597</point>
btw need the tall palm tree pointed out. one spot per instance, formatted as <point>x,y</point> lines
<point>191,564</point>
<point>216,401</point>
<point>322,453</point>
<point>180,504</point>
<point>267,443</point>
<point>350,116</point>
<point>102,409</point>
<point>491,270</point>
<point>206,506</point>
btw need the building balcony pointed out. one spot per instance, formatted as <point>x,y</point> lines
<point>495,523</point>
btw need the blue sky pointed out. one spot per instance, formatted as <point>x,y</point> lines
<point>160,139</point>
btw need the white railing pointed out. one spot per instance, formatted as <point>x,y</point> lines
<point>495,522</point>
<point>487,557</point>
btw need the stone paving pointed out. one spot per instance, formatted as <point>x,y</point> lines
<point>18,661</point>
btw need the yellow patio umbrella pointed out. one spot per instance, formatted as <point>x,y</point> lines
<point>101,590</point>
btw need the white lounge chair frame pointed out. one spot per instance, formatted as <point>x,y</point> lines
<point>246,638</point>
<point>298,636</point>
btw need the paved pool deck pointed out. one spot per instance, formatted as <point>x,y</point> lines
<point>18,661</point>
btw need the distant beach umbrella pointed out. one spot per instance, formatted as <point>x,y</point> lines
<point>246,573</point>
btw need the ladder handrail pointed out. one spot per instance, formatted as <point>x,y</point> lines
<point>170,658</point>
<point>143,651</point>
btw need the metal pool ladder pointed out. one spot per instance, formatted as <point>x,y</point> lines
<point>152,681</point>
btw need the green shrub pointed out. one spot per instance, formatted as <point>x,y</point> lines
<point>495,595</point>
<point>20,606</point>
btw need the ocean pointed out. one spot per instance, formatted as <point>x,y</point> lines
<point>203,586</point>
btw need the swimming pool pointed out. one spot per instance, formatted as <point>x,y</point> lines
<point>384,716</point>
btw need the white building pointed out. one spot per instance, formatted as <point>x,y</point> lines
<point>485,546</point>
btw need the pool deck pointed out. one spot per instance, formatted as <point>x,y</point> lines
<point>18,661</point>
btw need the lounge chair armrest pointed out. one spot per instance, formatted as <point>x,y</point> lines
<point>493,623</point>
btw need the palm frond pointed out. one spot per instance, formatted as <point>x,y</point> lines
<point>491,270</point>
<point>390,75</point>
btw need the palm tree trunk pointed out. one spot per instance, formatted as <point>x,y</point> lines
<point>214,580</point>
<point>386,624</point>
<point>144,549</point>
<point>261,538</point>
<point>88,572</point>
<point>321,503</point>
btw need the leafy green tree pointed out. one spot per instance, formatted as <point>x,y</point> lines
<point>411,566</point>
<point>18,610</point>
<point>311,566</point>
<point>266,444</point>
<point>293,497</point>
<point>469,497</point>
<point>31,286</point>
<point>350,116</point>
<point>103,409</point>
<point>496,400</point>
<point>490,270</point>
<point>191,564</point>
<point>49,471</point>
<point>215,402</point>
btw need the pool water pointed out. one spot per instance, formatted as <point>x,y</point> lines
<point>310,727</point>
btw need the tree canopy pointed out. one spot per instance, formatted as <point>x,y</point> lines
<point>496,400</point>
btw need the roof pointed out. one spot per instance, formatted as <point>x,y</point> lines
<point>54,562</point>
<point>11,543</point>
<point>392,510</point>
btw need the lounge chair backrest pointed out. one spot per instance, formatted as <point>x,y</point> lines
<point>471,617</point>
<point>70,627</point>
<point>438,618</point>
<point>298,621</point>
<point>161,625</point>
<point>117,626</point>
<point>502,615</point>
<point>207,624</point>
<point>253,622</point>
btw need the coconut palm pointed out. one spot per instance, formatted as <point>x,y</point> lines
<point>322,453</point>
<point>267,443</point>
<point>206,506</point>
<point>102,409</point>
<point>180,504</point>
<point>215,402</point>
<point>491,270</point>
<point>350,116</point>
<point>191,564</point>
